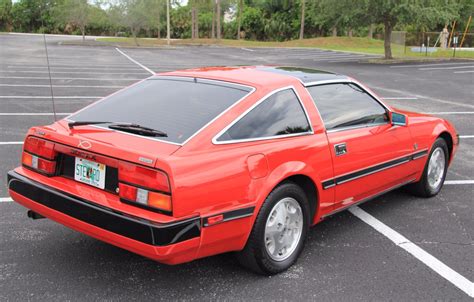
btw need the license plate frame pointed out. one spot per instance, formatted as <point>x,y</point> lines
<point>90,172</point>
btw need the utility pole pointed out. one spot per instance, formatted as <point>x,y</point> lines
<point>168,22</point>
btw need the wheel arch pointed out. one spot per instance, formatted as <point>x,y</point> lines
<point>445,130</point>
<point>449,141</point>
<point>309,187</point>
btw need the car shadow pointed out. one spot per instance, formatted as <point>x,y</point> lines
<point>66,257</point>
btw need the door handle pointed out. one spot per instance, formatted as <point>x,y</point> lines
<point>340,149</point>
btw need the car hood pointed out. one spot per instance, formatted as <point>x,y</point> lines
<point>409,113</point>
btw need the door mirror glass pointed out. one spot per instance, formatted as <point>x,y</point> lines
<point>398,119</point>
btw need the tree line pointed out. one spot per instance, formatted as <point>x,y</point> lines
<point>263,20</point>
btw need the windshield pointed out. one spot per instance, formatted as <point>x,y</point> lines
<point>178,107</point>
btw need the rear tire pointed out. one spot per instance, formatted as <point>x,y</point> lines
<point>434,172</point>
<point>279,232</point>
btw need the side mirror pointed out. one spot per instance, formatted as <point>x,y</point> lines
<point>398,119</point>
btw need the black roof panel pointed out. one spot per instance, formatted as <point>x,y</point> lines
<point>305,75</point>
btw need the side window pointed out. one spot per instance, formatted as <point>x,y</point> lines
<point>279,114</point>
<point>346,105</point>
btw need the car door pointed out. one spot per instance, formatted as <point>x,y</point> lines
<point>370,155</point>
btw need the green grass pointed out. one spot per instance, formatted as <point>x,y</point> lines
<point>362,45</point>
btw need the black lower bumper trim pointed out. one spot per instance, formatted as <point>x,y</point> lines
<point>105,218</point>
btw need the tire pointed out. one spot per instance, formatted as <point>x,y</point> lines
<point>427,186</point>
<point>285,213</point>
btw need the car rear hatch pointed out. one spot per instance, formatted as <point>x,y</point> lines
<point>102,159</point>
<point>90,148</point>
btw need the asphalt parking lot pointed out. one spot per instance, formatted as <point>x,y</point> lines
<point>347,257</point>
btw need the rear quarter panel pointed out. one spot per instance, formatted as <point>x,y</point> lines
<point>219,180</point>
<point>211,179</point>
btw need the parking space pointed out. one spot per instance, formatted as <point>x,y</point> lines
<point>345,258</point>
<point>445,228</point>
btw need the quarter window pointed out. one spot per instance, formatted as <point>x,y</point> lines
<point>279,114</point>
<point>346,105</point>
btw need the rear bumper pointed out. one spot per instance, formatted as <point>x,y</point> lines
<point>169,243</point>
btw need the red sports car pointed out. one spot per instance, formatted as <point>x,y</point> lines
<point>193,163</point>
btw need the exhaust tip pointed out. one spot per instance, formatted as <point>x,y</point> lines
<point>34,215</point>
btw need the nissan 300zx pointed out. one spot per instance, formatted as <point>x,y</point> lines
<point>193,163</point>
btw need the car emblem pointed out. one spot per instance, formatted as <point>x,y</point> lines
<point>38,132</point>
<point>145,160</point>
<point>84,145</point>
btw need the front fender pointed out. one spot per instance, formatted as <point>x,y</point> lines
<point>426,129</point>
<point>446,127</point>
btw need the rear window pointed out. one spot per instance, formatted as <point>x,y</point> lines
<point>178,106</point>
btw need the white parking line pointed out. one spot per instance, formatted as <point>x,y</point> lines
<point>450,112</point>
<point>89,79</point>
<point>53,65</point>
<point>31,113</point>
<point>425,65</point>
<point>464,71</point>
<point>5,199</point>
<point>439,267</point>
<point>11,143</point>
<point>142,66</point>
<point>351,60</point>
<point>334,55</point>
<point>396,91</point>
<point>459,182</point>
<point>466,136</point>
<point>69,64</point>
<point>334,58</point>
<point>247,49</point>
<point>67,72</point>
<point>47,97</point>
<point>58,86</point>
<point>450,67</point>
<point>401,98</point>
<point>73,68</point>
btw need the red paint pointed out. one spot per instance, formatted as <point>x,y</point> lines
<point>215,219</point>
<point>207,180</point>
<point>257,165</point>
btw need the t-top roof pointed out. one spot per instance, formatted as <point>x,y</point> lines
<point>258,75</point>
<point>305,75</point>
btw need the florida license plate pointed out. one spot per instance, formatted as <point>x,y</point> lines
<point>89,172</point>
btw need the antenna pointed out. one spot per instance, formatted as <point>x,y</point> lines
<point>50,80</point>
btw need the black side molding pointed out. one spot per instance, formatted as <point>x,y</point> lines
<point>133,227</point>
<point>231,215</point>
<point>371,170</point>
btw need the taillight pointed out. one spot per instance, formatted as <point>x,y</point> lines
<point>39,154</point>
<point>144,187</point>
<point>146,177</point>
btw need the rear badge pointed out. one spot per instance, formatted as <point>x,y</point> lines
<point>145,160</point>
<point>84,144</point>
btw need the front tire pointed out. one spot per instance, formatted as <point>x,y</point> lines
<point>434,172</point>
<point>278,235</point>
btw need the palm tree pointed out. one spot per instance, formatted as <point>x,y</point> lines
<point>218,2</point>
<point>303,3</point>
<point>239,16</point>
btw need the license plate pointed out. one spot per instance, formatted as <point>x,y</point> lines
<point>89,172</point>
